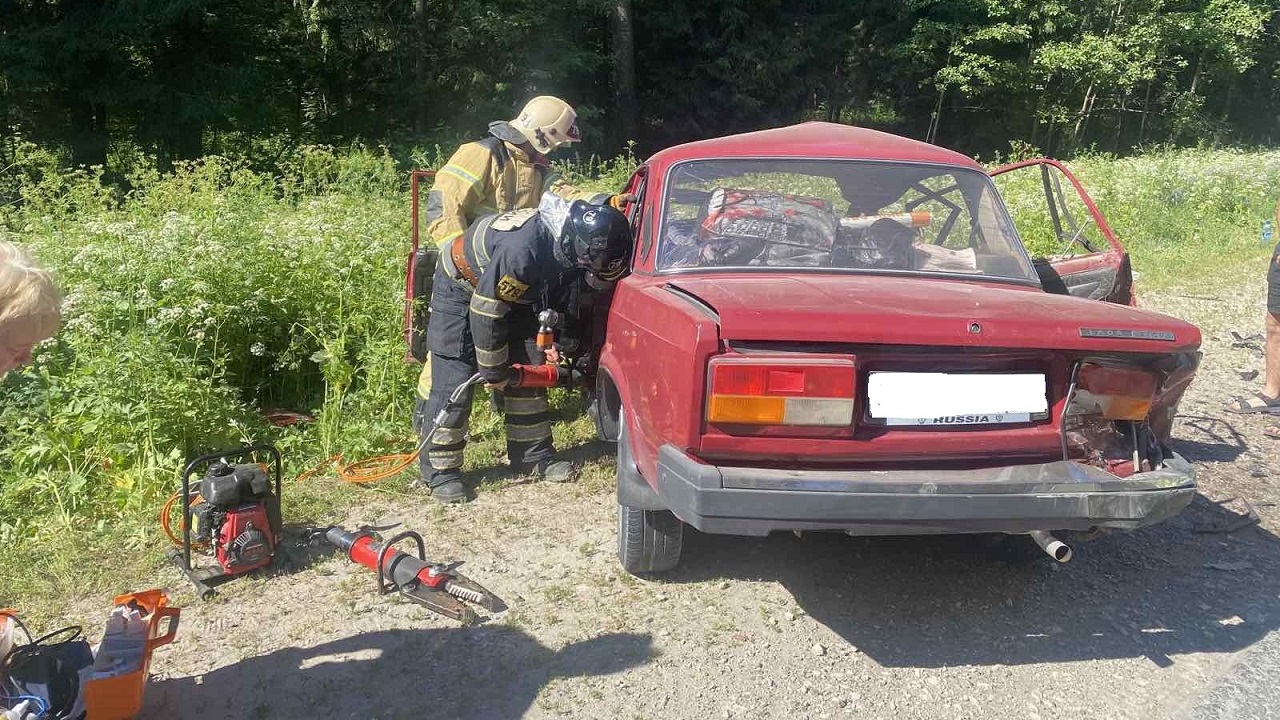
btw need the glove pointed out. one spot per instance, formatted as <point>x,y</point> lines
<point>617,202</point>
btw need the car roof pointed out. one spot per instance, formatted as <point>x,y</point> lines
<point>816,140</point>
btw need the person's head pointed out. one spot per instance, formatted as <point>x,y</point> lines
<point>30,307</point>
<point>597,238</point>
<point>547,123</point>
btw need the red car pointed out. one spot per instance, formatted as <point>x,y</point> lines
<point>832,328</point>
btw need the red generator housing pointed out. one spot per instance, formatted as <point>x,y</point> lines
<point>246,541</point>
<point>233,515</point>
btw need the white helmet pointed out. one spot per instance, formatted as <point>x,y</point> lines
<point>547,123</point>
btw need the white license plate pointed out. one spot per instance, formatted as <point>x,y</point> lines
<point>919,399</point>
<point>978,419</point>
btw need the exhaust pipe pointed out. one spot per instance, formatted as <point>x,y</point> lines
<point>1052,546</point>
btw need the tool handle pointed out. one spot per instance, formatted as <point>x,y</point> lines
<point>387,548</point>
<point>241,453</point>
<point>173,614</point>
<point>401,568</point>
<point>534,376</point>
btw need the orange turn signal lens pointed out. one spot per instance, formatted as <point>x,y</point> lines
<point>1126,408</point>
<point>745,410</point>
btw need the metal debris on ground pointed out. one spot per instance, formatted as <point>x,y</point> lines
<point>286,418</point>
<point>1249,374</point>
<point>1251,342</point>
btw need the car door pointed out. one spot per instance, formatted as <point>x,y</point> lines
<point>598,303</point>
<point>634,209</point>
<point>1074,249</point>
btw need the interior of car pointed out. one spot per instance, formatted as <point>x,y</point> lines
<point>922,229</point>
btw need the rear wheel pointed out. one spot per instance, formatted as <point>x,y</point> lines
<point>649,541</point>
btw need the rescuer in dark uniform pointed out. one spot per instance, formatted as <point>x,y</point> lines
<point>489,286</point>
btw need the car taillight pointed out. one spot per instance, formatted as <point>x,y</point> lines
<point>1114,393</point>
<point>758,391</point>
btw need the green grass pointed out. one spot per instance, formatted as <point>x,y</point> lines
<point>199,298</point>
<point>195,300</point>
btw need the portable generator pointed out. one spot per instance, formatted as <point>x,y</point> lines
<point>234,517</point>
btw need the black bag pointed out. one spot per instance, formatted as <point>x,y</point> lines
<point>424,272</point>
<point>50,671</point>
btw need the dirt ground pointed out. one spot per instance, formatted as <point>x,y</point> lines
<point>1138,625</point>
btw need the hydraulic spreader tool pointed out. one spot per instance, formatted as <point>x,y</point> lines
<point>436,586</point>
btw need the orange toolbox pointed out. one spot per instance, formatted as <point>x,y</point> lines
<point>119,697</point>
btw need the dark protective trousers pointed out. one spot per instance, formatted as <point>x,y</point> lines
<point>452,362</point>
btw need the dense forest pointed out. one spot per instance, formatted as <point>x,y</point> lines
<point>176,79</point>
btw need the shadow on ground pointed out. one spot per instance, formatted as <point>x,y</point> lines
<point>483,672</point>
<point>1204,438</point>
<point>964,600</point>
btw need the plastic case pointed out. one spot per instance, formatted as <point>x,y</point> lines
<point>120,697</point>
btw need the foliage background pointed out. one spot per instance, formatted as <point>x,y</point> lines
<point>114,82</point>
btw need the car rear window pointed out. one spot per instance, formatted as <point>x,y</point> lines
<point>838,214</point>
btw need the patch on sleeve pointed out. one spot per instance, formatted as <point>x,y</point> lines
<point>510,289</point>
<point>513,219</point>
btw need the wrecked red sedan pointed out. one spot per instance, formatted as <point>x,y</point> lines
<point>830,328</point>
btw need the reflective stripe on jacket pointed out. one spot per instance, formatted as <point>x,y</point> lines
<point>514,261</point>
<point>491,175</point>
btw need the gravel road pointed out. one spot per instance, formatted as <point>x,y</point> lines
<point>1153,624</point>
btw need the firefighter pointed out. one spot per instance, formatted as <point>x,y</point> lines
<point>506,171</point>
<point>489,286</point>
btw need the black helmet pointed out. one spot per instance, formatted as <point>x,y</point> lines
<point>597,238</point>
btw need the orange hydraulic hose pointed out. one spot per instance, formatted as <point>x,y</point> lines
<point>364,471</point>
<point>166,513</point>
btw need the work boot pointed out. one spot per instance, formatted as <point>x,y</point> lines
<point>555,471</point>
<point>450,491</point>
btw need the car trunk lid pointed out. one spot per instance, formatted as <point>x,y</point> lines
<point>926,311</point>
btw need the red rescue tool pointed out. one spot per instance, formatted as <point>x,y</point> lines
<point>433,585</point>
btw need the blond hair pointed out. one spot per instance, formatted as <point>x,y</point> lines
<point>28,297</point>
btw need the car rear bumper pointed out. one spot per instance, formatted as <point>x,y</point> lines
<point>1019,498</point>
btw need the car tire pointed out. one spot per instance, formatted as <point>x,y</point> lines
<point>649,541</point>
